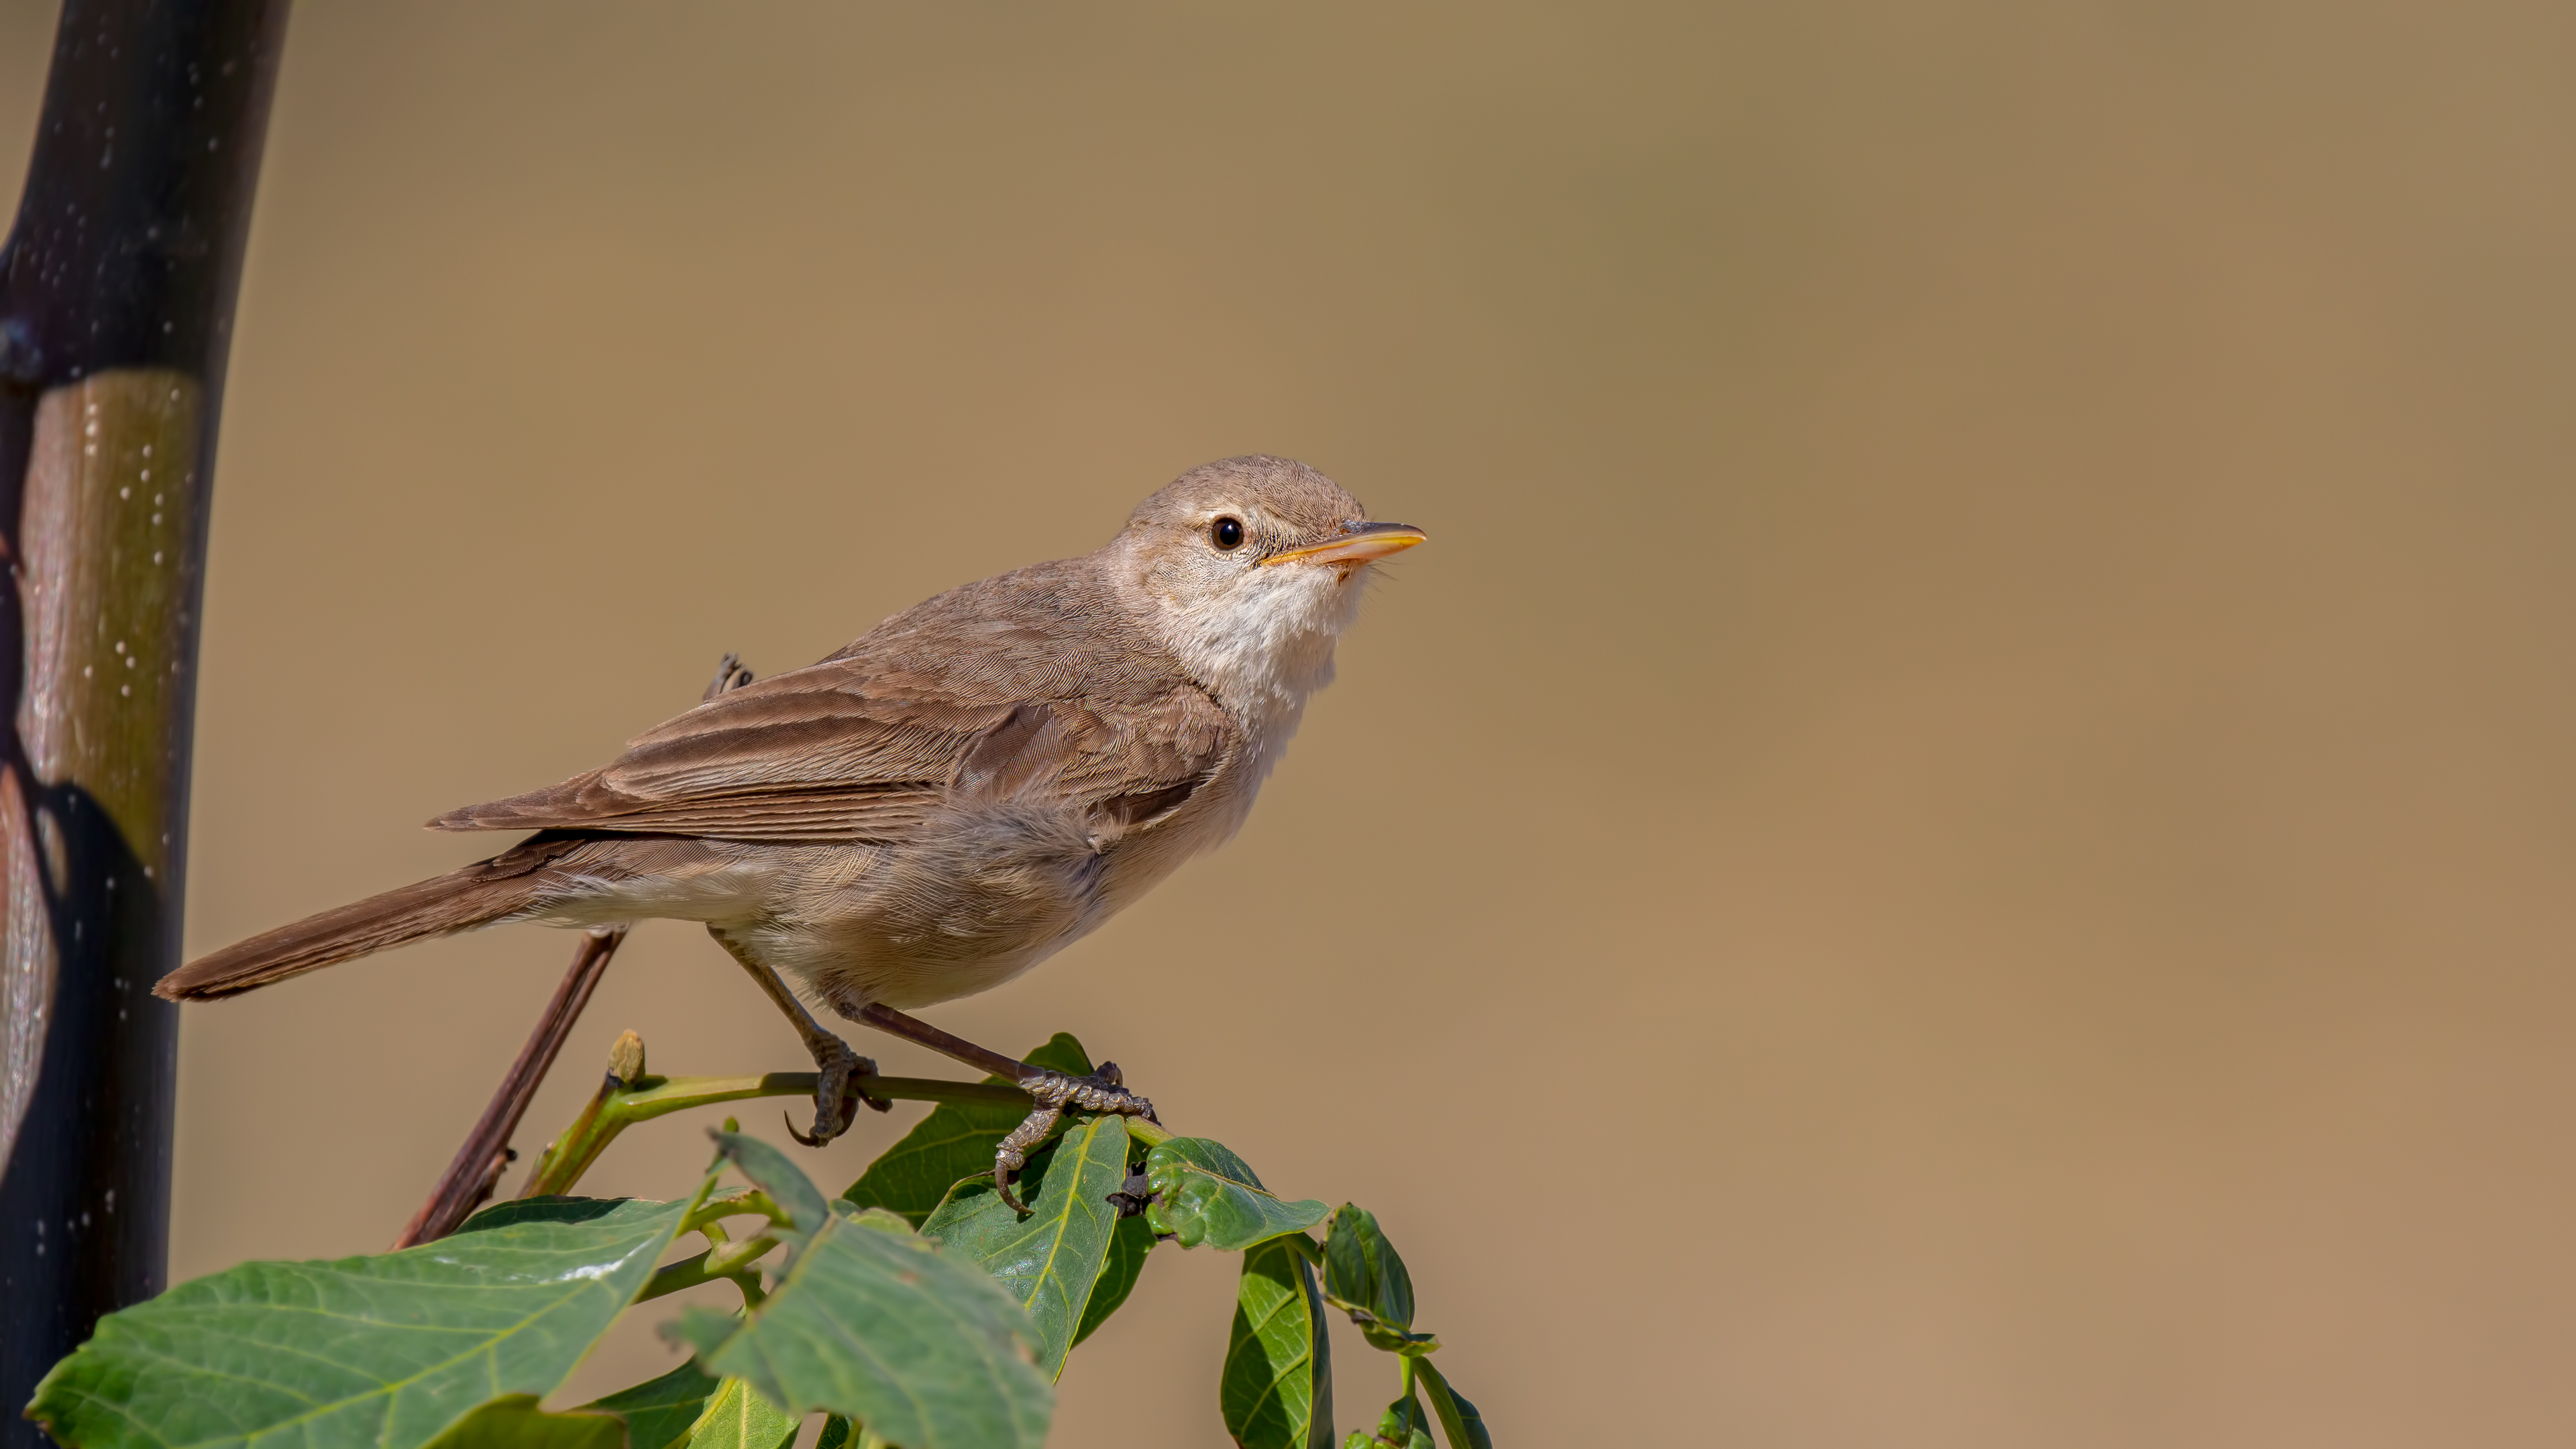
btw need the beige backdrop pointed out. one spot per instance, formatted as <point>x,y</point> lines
<point>1962,837</point>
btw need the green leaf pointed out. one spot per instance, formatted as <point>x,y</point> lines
<point>1050,1260</point>
<point>1129,1243</point>
<point>785,1182</point>
<point>1459,1421</point>
<point>660,1412</point>
<point>1277,1391</point>
<point>1060,1052</point>
<point>1403,1426</point>
<point>1361,1267</point>
<point>515,1422</point>
<point>956,1141</point>
<point>541,1210</point>
<point>840,1433</point>
<point>1209,1195</point>
<point>875,1218</point>
<point>1391,1340</point>
<point>1364,1278</point>
<point>384,1352</point>
<point>738,1418</point>
<point>878,1325</point>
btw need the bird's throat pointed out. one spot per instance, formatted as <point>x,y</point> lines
<point>1261,651</point>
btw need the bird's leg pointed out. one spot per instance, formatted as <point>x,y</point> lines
<point>1053,1091</point>
<point>840,1073</point>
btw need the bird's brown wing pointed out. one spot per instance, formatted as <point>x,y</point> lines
<point>841,752</point>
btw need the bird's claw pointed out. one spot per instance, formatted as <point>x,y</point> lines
<point>840,1077</point>
<point>1104,1091</point>
<point>730,676</point>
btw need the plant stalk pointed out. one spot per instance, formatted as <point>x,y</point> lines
<point>117,286</point>
<point>476,1168</point>
<point>621,1102</point>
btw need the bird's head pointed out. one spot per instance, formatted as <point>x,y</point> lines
<point>1252,567</point>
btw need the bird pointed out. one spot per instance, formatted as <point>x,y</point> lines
<point>935,808</point>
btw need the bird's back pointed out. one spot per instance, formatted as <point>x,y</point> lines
<point>1039,682</point>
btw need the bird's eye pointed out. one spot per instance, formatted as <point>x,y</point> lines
<point>1226,534</point>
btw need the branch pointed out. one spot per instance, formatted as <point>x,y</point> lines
<point>476,1169</point>
<point>629,1095</point>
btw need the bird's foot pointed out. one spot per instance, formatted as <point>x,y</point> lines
<point>730,676</point>
<point>1103,1091</point>
<point>840,1083</point>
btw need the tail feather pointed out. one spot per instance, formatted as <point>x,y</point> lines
<point>460,900</point>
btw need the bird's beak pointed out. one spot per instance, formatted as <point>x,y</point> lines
<point>1358,543</point>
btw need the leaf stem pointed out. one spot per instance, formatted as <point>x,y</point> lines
<point>1454,1425</point>
<point>655,1096</point>
<point>741,1204</point>
<point>623,1101</point>
<point>729,1262</point>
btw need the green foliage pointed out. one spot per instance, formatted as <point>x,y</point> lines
<point>1051,1258</point>
<point>385,1352</point>
<point>875,1323</point>
<point>1364,1278</point>
<point>1361,1269</point>
<point>955,1142</point>
<point>919,1311</point>
<point>736,1417</point>
<point>660,1413</point>
<point>1402,1426</point>
<point>786,1185</point>
<point>1459,1420</point>
<point>1277,1388</point>
<point>840,1433</point>
<point>1128,1245</point>
<point>1206,1194</point>
<point>515,1422</point>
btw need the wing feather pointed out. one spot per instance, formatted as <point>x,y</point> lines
<point>838,752</point>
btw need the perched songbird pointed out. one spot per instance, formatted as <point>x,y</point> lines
<point>946,802</point>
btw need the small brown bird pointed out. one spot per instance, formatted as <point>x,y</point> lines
<point>946,802</point>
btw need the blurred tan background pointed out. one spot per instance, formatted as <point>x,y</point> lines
<point>1962,838</point>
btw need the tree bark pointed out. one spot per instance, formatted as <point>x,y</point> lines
<point>116,302</point>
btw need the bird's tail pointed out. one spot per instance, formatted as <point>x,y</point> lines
<point>460,900</point>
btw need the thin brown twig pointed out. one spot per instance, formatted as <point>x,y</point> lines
<point>476,1169</point>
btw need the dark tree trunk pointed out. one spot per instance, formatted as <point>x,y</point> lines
<point>116,302</point>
